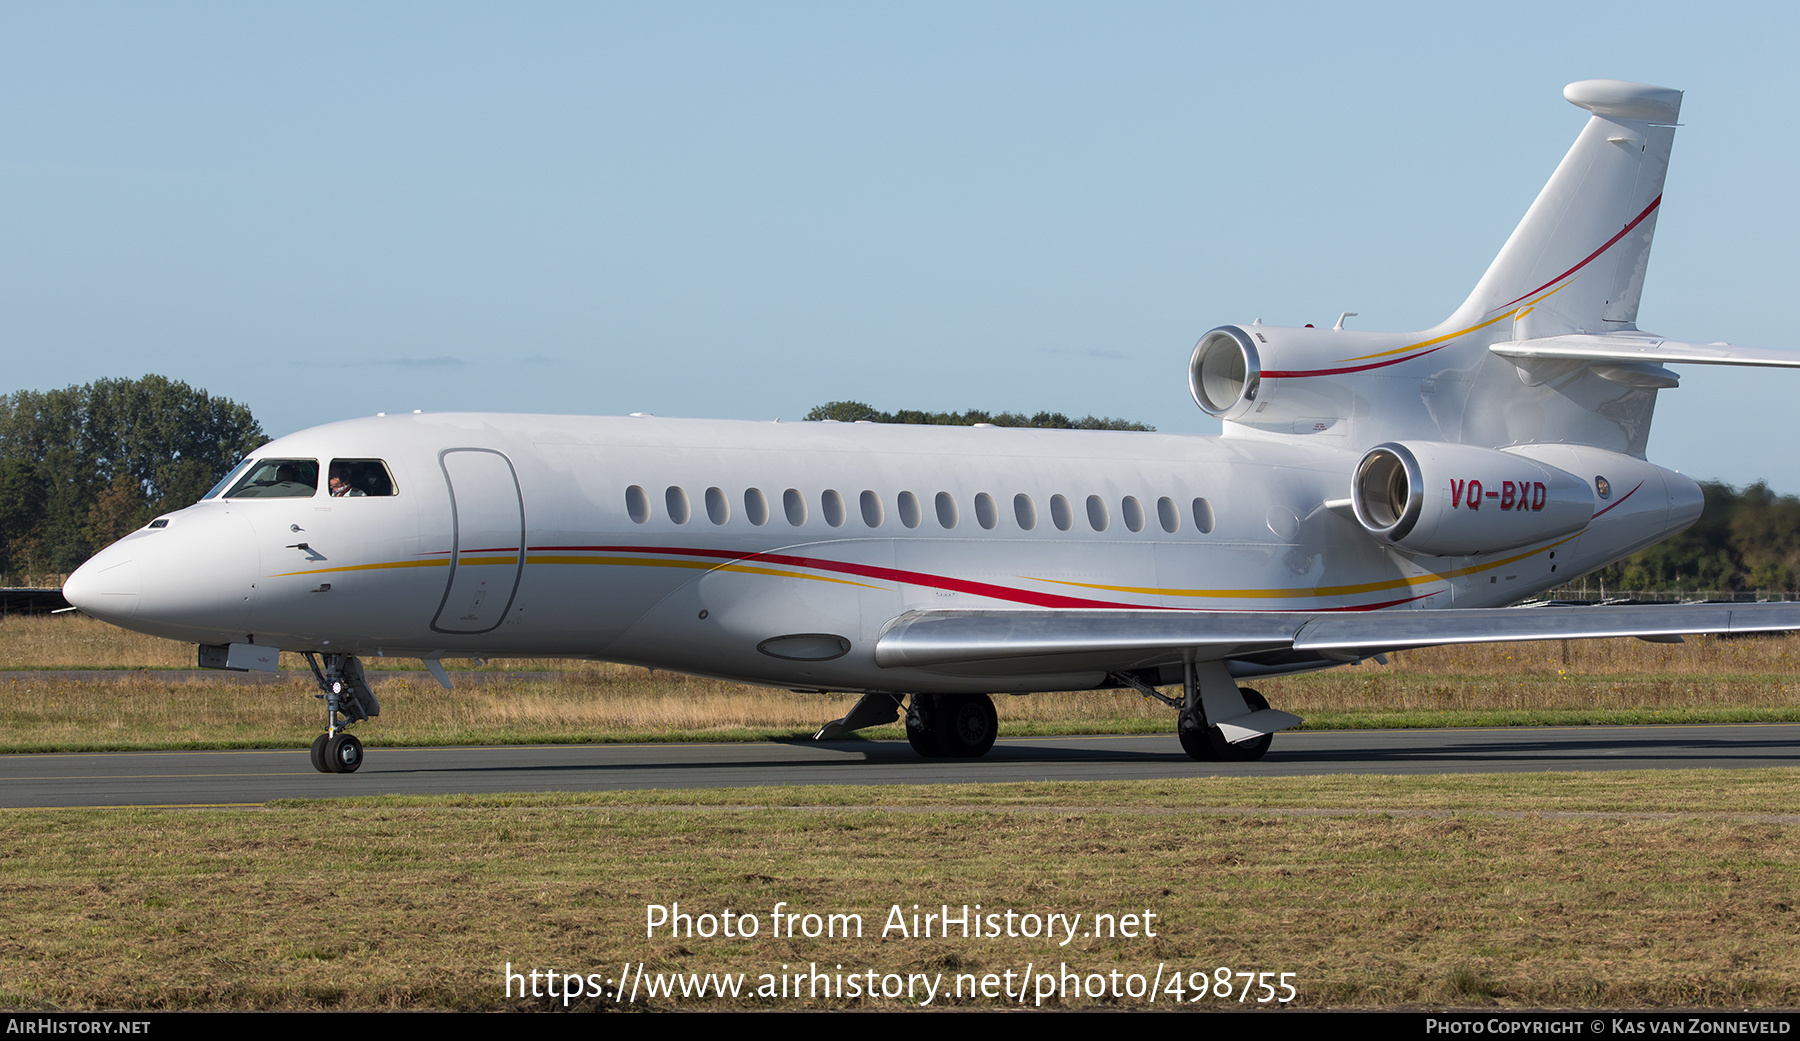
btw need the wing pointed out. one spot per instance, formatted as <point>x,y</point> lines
<point>1001,641</point>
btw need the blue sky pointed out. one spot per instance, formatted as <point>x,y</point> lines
<point>741,210</point>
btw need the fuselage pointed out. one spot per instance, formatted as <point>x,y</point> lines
<point>777,553</point>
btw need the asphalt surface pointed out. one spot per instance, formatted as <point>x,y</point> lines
<point>226,778</point>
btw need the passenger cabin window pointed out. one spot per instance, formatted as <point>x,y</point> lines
<point>355,478</point>
<point>756,506</point>
<point>1025,511</point>
<point>277,479</point>
<point>1096,509</point>
<point>1203,516</point>
<point>1132,512</point>
<point>832,505</point>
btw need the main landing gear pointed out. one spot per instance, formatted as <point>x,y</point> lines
<point>938,726</point>
<point>1208,744</point>
<point>346,694</point>
<point>951,726</point>
<point>1219,722</point>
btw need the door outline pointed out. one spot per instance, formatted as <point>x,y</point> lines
<point>456,537</point>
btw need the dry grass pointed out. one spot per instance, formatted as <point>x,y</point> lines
<point>1465,891</point>
<point>596,703</point>
<point>1700,655</point>
<point>1561,676</point>
<point>373,906</point>
<point>74,641</point>
<point>1554,682</point>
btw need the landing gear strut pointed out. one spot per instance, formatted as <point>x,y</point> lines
<point>1221,722</point>
<point>955,726</point>
<point>346,694</point>
<point>1207,743</point>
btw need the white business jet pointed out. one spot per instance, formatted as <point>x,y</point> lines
<point>1372,491</point>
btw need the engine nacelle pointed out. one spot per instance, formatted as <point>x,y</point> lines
<point>1261,375</point>
<point>1225,373</point>
<point>1456,500</point>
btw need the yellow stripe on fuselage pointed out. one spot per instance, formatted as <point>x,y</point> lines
<point>1319,591</point>
<point>1439,339</point>
<point>365,567</point>
<point>748,569</point>
<point>697,565</point>
<point>1514,313</point>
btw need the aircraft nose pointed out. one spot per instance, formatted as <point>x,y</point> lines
<point>107,586</point>
<point>191,579</point>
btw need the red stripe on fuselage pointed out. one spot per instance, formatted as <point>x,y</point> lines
<point>865,571</point>
<point>1621,501</point>
<point>1297,373</point>
<point>920,579</point>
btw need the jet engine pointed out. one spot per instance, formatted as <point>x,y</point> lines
<point>1456,500</point>
<point>1225,373</point>
<point>1255,375</point>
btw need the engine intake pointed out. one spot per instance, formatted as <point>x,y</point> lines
<point>1457,500</point>
<point>1225,373</point>
<point>1264,376</point>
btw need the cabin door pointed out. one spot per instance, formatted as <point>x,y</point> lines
<point>488,547</point>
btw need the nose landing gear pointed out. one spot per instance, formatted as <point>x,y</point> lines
<point>346,694</point>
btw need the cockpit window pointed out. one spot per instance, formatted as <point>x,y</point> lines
<point>227,481</point>
<point>358,477</point>
<point>277,479</point>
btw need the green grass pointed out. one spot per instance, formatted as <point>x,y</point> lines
<point>1500,891</point>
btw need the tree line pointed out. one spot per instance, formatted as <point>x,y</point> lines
<point>856,412</point>
<point>1744,542</point>
<point>83,466</point>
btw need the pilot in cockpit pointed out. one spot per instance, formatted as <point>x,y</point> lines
<point>340,485</point>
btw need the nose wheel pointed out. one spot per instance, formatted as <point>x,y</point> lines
<point>347,695</point>
<point>339,754</point>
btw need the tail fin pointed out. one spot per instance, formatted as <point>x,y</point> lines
<point>1576,262</point>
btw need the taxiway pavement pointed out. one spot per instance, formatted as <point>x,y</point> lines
<point>224,778</point>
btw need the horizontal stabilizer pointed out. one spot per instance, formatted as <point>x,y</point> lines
<point>1637,348</point>
<point>956,640</point>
